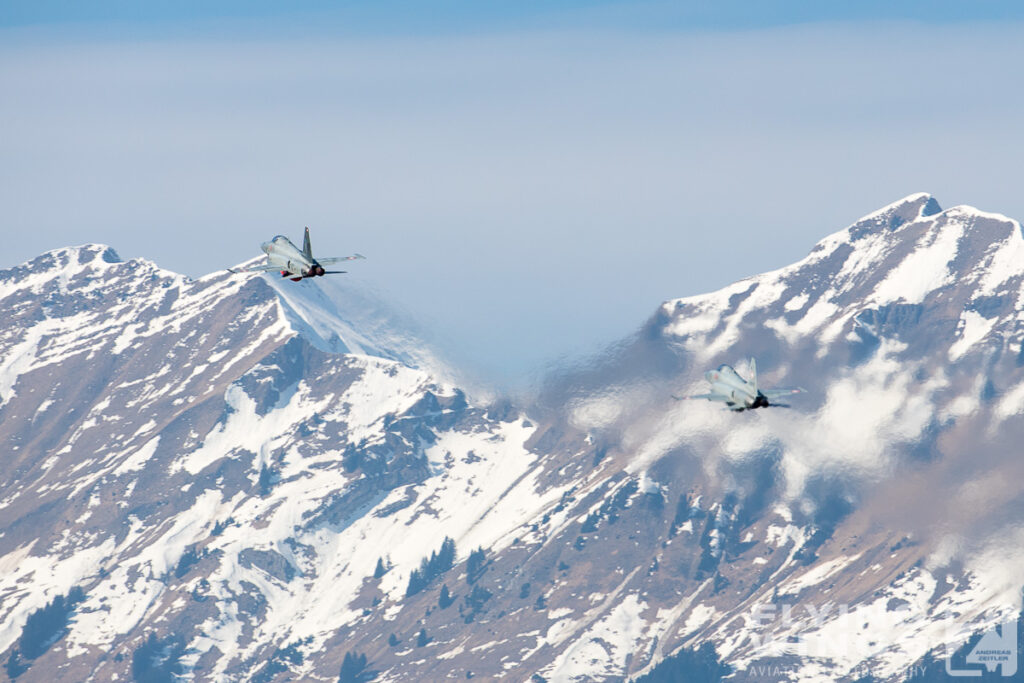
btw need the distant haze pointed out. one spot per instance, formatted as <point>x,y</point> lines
<point>529,195</point>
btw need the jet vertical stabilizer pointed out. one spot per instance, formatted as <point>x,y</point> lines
<point>307,248</point>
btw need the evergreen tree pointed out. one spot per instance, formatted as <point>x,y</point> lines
<point>158,660</point>
<point>188,559</point>
<point>445,601</point>
<point>699,665</point>
<point>422,638</point>
<point>47,625</point>
<point>446,556</point>
<point>416,583</point>
<point>268,478</point>
<point>431,567</point>
<point>393,640</point>
<point>353,669</point>
<point>380,570</point>
<point>475,565</point>
<point>15,667</point>
<point>476,599</point>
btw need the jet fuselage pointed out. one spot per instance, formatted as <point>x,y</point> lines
<point>738,393</point>
<point>290,259</point>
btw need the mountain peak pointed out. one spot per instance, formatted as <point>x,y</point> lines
<point>915,205</point>
<point>58,265</point>
<point>891,217</point>
<point>968,211</point>
<point>83,254</point>
<point>907,254</point>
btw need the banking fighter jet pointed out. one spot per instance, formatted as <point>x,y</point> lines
<point>740,394</point>
<point>294,263</point>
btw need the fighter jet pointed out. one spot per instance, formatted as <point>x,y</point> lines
<point>737,393</point>
<point>284,256</point>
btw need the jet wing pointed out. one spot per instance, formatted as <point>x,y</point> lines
<point>709,397</point>
<point>777,393</point>
<point>338,259</point>
<point>254,269</point>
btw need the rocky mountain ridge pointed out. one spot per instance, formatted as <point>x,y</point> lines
<point>227,479</point>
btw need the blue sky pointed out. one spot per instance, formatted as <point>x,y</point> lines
<point>530,180</point>
<point>411,16</point>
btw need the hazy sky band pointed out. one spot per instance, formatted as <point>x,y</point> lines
<point>411,16</point>
<point>531,193</point>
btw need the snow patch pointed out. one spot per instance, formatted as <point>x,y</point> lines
<point>972,328</point>
<point>925,269</point>
<point>137,460</point>
<point>606,647</point>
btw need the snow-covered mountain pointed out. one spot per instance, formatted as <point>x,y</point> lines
<point>237,479</point>
<point>894,483</point>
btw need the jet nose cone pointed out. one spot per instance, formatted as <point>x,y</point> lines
<point>711,375</point>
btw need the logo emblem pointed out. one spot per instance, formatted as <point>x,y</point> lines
<point>997,648</point>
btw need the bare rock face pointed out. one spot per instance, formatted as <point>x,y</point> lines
<point>237,479</point>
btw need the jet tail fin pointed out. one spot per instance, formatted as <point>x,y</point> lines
<point>753,374</point>
<point>307,248</point>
